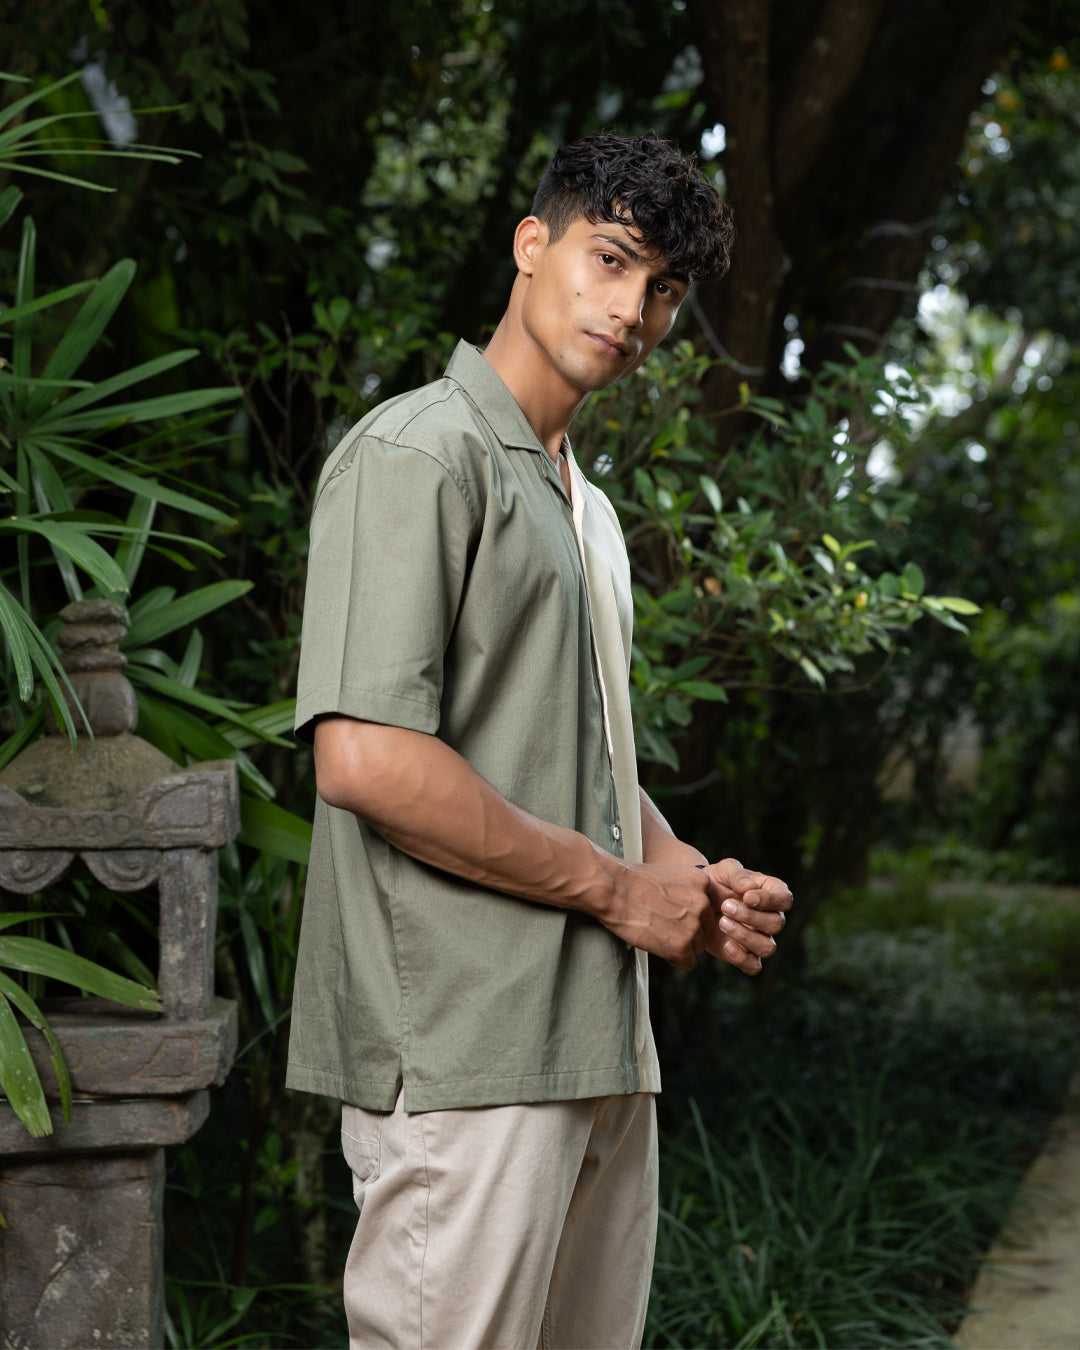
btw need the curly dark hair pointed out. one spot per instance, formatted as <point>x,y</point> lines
<point>648,185</point>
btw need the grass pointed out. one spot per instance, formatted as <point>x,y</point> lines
<point>834,1165</point>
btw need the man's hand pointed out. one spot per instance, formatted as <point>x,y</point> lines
<point>751,909</point>
<point>666,909</point>
<point>680,911</point>
<point>749,906</point>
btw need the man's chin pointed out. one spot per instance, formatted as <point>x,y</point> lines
<point>592,379</point>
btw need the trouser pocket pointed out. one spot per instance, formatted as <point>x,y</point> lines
<point>361,1139</point>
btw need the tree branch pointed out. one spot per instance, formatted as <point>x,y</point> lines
<point>914,191</point>
<point>825,74</point>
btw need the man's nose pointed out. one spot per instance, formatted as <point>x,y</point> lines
<point>628,301</point>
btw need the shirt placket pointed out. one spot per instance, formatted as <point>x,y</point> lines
<point>576,507</point>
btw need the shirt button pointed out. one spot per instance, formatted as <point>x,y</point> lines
<point>616,833</point>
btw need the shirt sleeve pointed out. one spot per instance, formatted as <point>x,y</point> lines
<point>390,541</point>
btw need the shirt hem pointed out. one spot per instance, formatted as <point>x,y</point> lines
<point>513,1090</point>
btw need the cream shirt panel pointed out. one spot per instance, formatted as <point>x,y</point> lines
<point>611,609</point>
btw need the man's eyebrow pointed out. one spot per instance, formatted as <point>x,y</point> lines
<point>668,273</point>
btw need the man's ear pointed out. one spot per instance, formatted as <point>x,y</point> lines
<point>530,235</point>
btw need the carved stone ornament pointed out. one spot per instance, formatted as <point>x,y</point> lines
<point>125,869</point>
<point>111,789</point>
<point>25,871</point>
<point>81,1256</point>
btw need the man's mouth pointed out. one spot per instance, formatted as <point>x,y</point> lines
<point>608,344</point>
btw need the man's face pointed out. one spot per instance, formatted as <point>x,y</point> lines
<point>597,301</point>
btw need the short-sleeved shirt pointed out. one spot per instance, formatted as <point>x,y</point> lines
<point>447,593</point>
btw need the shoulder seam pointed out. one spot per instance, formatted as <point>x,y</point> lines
<point>400,444</point>
<point>458,482</point>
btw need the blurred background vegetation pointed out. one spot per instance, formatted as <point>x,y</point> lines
<point>864,433</point>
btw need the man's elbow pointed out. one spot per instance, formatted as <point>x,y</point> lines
<point>335,789</point>
<point>347,763</point>
<point>371,769</point>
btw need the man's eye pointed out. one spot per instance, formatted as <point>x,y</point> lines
<point>608,258</point>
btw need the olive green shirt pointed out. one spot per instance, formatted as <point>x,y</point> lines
<point>446,593</point>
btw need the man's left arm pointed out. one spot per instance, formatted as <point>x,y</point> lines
<point>750,906</point>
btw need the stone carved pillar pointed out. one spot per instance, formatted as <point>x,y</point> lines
<point>81,1256</point>
<point>102,1217</point>
<point>188,886</point>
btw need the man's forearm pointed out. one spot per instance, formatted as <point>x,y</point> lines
<point>659,843</point>
<point>428,801</point>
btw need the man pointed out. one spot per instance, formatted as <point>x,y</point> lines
<point>486,875</point>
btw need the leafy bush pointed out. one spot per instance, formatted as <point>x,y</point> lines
<point>751,568</point>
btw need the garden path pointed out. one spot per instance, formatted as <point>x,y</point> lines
<point>1028,1294</point>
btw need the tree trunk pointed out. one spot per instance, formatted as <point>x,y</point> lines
<point>838,156</point>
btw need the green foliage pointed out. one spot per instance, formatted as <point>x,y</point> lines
<point>995,467</point>
<point>49,419</point>
<point>1007,238</point>
<point>1030,772</point>
<point>822,1250</point>
<point>69,443</point>
<point>69,446</point>
<point>25,143</point>
<point>739,570</point>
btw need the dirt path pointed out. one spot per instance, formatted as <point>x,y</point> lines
<point>1028,1295</point>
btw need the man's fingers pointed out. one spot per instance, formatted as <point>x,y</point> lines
<point>768,898</point>
<point>767,893</point>
<point>731,880</point>
<point>736,955</point>
<point>752,940</point>
<point>761,920</point>
<point>726,911</point>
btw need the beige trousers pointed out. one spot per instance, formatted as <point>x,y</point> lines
<point>506,1226</point>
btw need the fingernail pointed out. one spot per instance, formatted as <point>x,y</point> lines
<point>726,924</point>
<point>730,907</point>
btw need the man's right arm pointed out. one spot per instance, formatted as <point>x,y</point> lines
<point>428,801</point>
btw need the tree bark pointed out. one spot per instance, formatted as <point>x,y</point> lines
<point>890,248</point>
<point>733,39</point>
<point>838,155</point>
<point>827,69</point>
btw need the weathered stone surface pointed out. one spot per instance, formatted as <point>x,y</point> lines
<point>189,894</point>
<point>76,635</point>
<point>100,698</point>
<point>115,1051</point>
<point>106,1125</point>
<point>94,610</point>
<point>117,792</point>
<point>81,1256</point>
<point>125,869</point>
<point>25,871</point>
<point>106,700</point>
<point>105,775</point>
<point>92,658</point>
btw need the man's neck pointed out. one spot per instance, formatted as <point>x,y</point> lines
<point>548,403</point>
